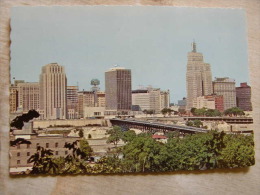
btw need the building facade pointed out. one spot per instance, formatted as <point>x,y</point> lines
<point>90,99</point>
<point>243,97</point>
<point>151,99</point>
<point>72,102</point>
<point>21,153</point>
<point>53,87</point>
<point>13,97</point>
<point>118,89</point>
<point>198,77</point>
<point>209,102</point>
<point>227,88</point>
<point>28,96</point>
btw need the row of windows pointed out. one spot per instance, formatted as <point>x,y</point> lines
<point>29,154</point>
<point>47,145</point>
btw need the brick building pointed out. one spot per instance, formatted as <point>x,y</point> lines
<point>243,95</point>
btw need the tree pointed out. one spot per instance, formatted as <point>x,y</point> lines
<point>18,122</point>
<point>235,111</point>
<point>239,151</point>
<point>19,141</point>
<point>214,147</point>
<point>194,123</point>
<point>115,134</point>
<point>142,154</point>
<point>193,110</point>
<point>43,162</point>
<point>81,133</point>
<point>128,136</point>
<point>200,112</point>
<point>212,113</point>
<point>164,111</point>
<point>150,112</point>
<point>169,111</point>
<point>197,123</point>
<point>86,150</point>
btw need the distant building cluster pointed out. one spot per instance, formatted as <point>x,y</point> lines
<point>54,99</point>
<point>220,94</point>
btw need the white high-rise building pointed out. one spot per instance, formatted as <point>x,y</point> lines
<point>151,99</point>
<point>198,77</point>
<point>53,85</point>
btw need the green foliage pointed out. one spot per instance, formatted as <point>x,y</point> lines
<point>239,151</point>
<point>166,111</point>
<point>173,134</point>
<point>194,123</point>
<point>85,149</point>
<point>128,136</point>
<point>43,162</point>
<point>108,164</point>
<point>205,112</point>
<point>212,113</point>
<point>81,133</point>
<point>115,134</point>
<point>235,111</point>
<point>142,154</point>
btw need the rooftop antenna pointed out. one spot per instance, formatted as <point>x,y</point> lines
<point>194,49</point>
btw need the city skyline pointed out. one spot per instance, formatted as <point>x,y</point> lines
<point>156,52</point>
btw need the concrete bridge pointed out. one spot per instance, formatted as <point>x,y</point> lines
<point>155,127</point>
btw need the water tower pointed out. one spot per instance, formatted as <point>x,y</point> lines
<point>95,88</point>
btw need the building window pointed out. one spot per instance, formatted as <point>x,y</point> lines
<point>18,153</point>
<point>56,145</point>
<point>47,145</point>
<point>56,153</point>
<point>28,153</point>
<point>18,162</point>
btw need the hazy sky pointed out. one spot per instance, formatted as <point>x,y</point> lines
<point>151,41</point>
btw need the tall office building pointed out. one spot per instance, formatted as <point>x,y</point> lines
<point>226,87</point>
<point>28,96</point>
<point>53,85</point>
<point>118,90</point>
<point>198,76</point>
<point>13,97</point>
<point>72,102</point>
<point>243,94</point>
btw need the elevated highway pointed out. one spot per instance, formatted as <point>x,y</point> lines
<point>155,126</point>
<point>229,120</point>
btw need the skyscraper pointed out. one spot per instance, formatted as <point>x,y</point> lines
<point>226,87</point>
<point>243,94</point>
<point>53,85</point>
<point>198,76</point>
<point>72,102</point>
<point>118,89</point>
